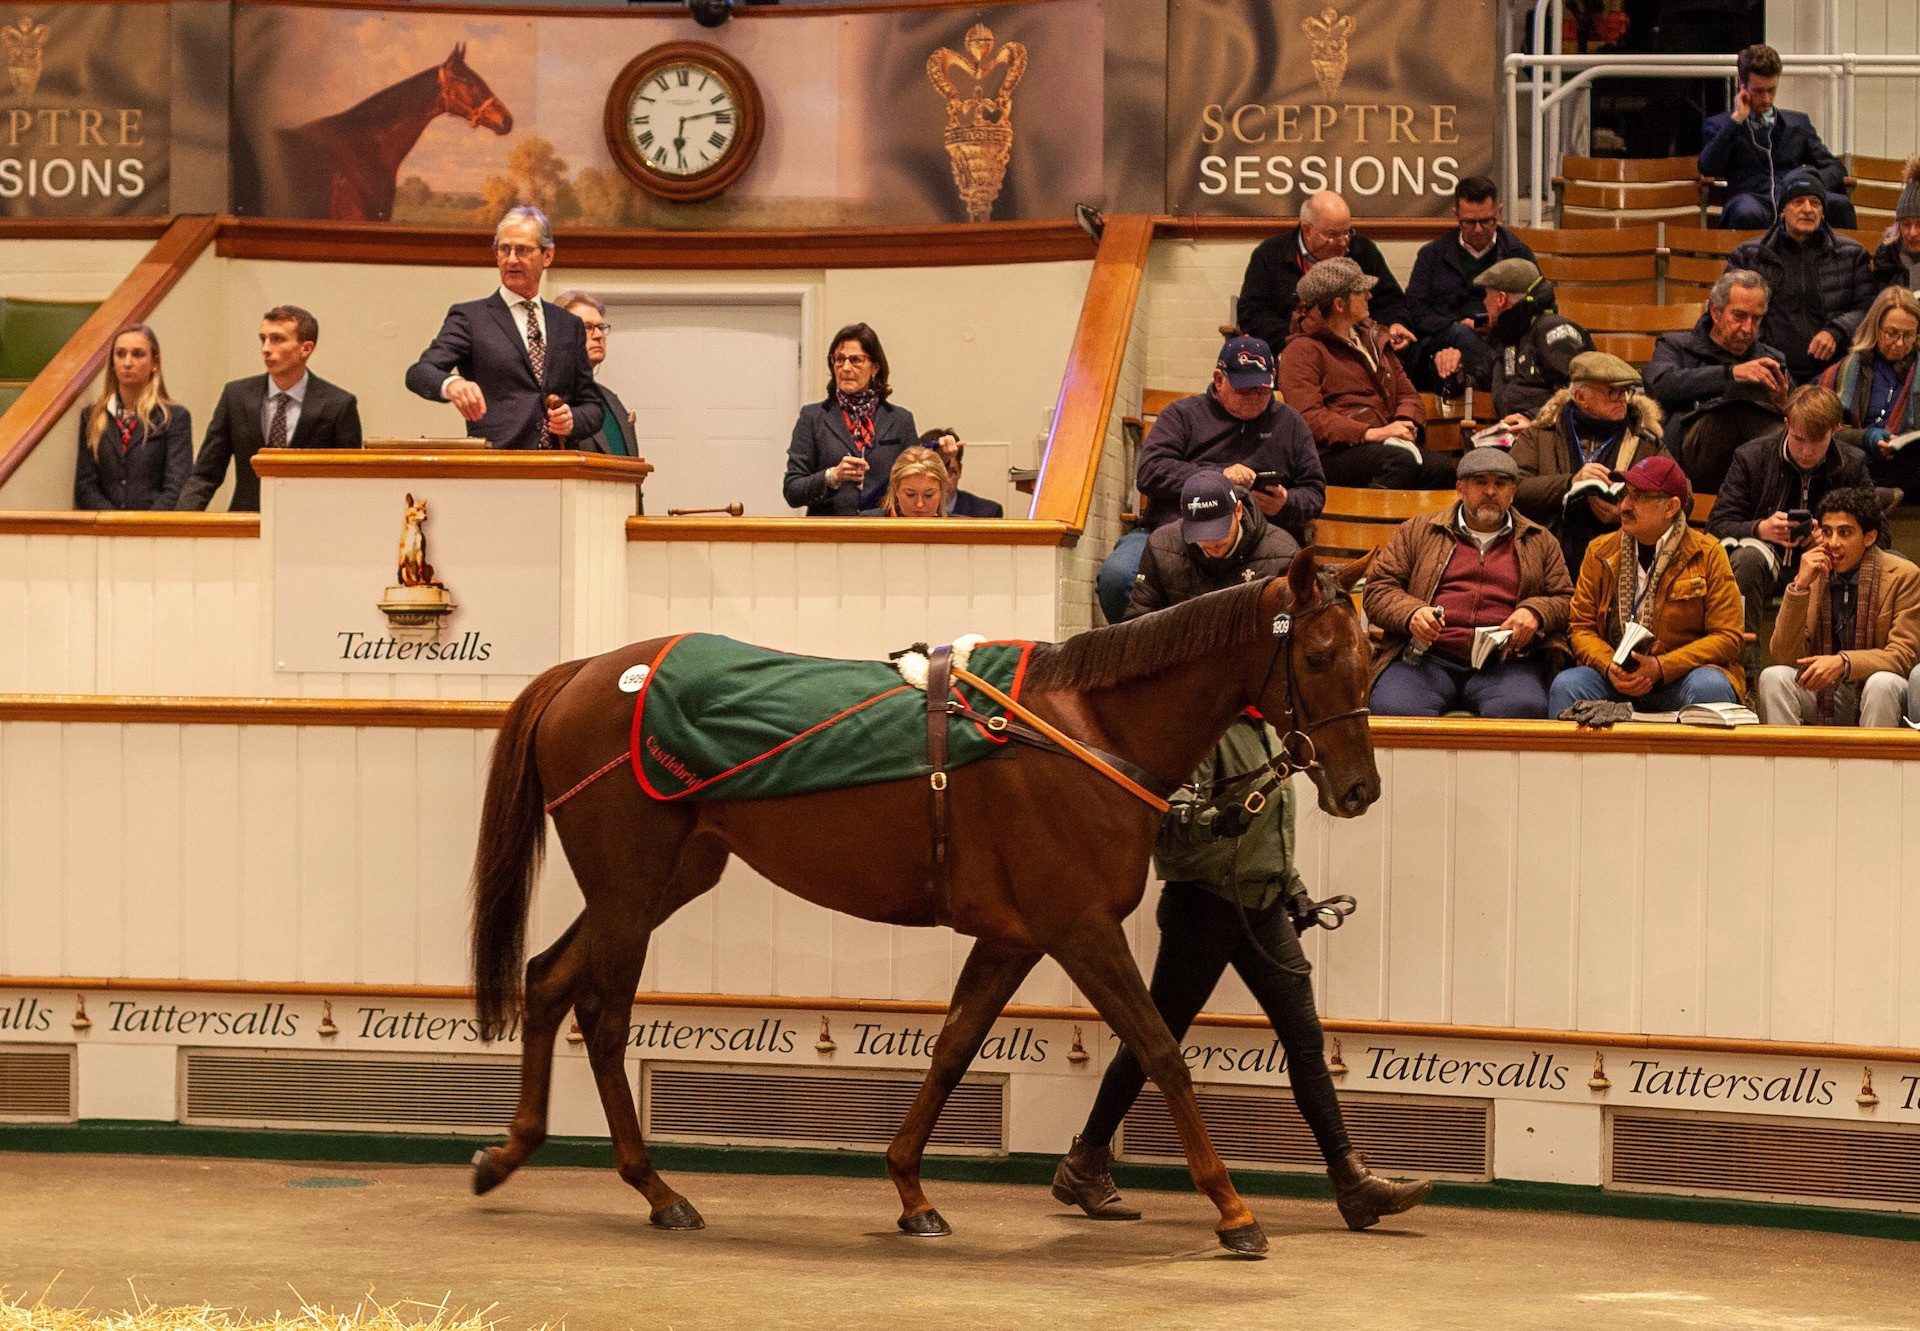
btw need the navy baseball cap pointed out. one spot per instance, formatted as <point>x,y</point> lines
<point>1247,362</point>
<point>1207,503</point>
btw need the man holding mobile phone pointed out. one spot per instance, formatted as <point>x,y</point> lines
<point>1757,145</point>
<point>1763,512</point>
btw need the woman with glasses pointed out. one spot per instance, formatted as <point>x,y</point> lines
<point>844,447</point>
<point>136,443</point>
<point>1874,382</point>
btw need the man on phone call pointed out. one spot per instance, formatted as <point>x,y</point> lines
<point>1849,624</point>
<point>1237,427</point>
<point>1674,582</point>
<point>1756,145</point>
<point>1771,480</point>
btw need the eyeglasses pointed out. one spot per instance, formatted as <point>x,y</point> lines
<point>518,251</point>
<point>1478,223</point>
<point>1898,336</point>
<point>601,328</point>
<point>849,360</point>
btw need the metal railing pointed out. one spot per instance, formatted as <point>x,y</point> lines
<point>1554,79</point>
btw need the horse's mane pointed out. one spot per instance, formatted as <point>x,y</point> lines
<point>1152,643</point>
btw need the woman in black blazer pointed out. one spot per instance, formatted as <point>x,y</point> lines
<point>136,443</point>
<point>844,448</point>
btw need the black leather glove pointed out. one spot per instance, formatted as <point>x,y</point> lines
<point>1597,714</point>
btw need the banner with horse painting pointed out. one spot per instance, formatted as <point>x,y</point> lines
<point>84,112</point>
<point>430,117</point>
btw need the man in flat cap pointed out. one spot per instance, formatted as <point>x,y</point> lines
<point>1822,281</point>
<point>1269,291</point>
<point>1600,423</point>
<point>1443,580</point>
<point>1340,372</point>
<point>1670,580</point>
<point>1533,343</point>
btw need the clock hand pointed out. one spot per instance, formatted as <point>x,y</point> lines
<point>701,116</point>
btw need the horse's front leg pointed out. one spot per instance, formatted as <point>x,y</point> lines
<point>1095,956</point>
<point>992,973</point>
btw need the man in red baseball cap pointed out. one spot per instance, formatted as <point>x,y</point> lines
<point>1673,585</point>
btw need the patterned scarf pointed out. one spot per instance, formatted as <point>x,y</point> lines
<point>1623,589</point>
<point>857,410</point>
<point>1853,381</point>
<point>126,425</point>
<point>1866,613</point>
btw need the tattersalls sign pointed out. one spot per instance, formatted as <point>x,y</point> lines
<point>1269,101</point>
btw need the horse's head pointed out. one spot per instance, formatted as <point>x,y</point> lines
<point>465,94</point>
<point>1314,691</point>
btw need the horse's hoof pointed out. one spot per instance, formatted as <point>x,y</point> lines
<point>678,1215</point>
<point>488,1172</point>
<point>927,1224</point>
<point>1248,1240</point>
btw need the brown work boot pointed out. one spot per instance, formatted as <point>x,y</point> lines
<point>1085,1179</point>
<point>1364,1197</point>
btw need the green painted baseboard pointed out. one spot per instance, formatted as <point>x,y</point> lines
<point>144,1137</point>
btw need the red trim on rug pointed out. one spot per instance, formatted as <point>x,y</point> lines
<point>640,706</point>
<point>554,804</point>
<point>639,769</point>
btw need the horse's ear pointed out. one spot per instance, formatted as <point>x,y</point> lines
<point>459,55</point>
<point>1349,575</point>
<point>1303,579</point>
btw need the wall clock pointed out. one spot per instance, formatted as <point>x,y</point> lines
<point>684,120</point>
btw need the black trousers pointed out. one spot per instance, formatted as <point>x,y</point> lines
<point>1200,935</point>
<point>1387,467</point>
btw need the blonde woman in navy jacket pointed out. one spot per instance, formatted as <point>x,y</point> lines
<point>136,443</point>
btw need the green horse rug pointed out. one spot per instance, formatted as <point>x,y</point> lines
<point>718,719</point>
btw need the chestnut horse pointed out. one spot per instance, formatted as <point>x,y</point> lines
<point>347,166</point>
<point>1047,857</point>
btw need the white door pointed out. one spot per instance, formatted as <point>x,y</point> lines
<point>714,390</point>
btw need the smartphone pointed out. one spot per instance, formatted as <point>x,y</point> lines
<point>1266,480</point>
<point>1800,523</point>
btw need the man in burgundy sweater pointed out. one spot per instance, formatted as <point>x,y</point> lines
<point>1477,565</point>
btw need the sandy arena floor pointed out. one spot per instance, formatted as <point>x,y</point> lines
<point>574,1245</point>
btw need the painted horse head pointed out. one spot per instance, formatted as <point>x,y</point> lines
<point>1314,692</point>
<point>465,94</point>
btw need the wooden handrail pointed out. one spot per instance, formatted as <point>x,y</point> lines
<point>486,464</point>
<point>57,387</point>
<point>1832,742</point>
<point>1405,1030</point>
<point>850,531</point>
<point>1074,445</point>
<point>943,245</point>
<point>234,526</point>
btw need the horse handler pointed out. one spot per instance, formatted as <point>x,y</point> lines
<point>1231,891</point>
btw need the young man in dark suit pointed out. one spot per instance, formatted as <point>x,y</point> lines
<point>953,451</point>
<point>615,436</point>
<point>287,407</point>
<point>498,360</point>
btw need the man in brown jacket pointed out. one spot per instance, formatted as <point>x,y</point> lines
<point>1600,423</point>
<point>1443,580</point>
<point>1850,623</point>
<point>1667,579</point>
<point>1339,371</point>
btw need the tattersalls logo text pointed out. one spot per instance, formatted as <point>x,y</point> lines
<point>416,607</point>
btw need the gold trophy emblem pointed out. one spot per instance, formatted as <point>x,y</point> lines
<point>1327,37</point>
<point>979,134</point>
<point>25,43</point>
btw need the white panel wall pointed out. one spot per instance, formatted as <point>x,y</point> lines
<point>1675,895</point>
<point>1886,115</point>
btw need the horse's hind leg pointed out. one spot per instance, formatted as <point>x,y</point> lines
<point>617,936</point>
<point>551,979</point>
<point>1096,958</point>
<point>986,982</point>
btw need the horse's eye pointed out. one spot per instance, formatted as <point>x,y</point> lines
<point>1320,660</point>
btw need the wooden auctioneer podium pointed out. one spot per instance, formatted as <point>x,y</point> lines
<point>427,556</point>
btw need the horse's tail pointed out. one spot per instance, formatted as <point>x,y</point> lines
<point>513,841</point>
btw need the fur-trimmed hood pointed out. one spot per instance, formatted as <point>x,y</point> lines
<point>1643,413</point>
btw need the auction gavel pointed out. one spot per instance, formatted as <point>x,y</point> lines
<point>733,510</point>
<point>554,440</point>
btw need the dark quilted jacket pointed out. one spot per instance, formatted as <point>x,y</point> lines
<point>1827,282</point>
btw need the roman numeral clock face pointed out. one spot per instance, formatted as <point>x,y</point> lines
<point>683,120</point>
